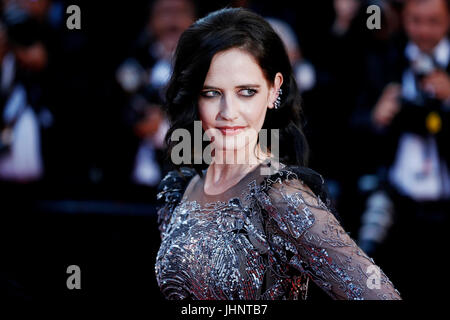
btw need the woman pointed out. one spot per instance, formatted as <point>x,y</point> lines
<point>230,230</point>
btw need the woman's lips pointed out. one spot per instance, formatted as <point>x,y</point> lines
<point>229,131</point>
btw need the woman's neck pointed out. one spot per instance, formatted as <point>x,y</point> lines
<point>222,175</point>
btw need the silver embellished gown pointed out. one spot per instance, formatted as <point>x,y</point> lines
<point>264,238</point>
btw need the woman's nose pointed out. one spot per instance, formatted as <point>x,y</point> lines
<point>228,110</point>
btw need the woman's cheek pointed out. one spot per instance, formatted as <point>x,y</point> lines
<point>255,114</point>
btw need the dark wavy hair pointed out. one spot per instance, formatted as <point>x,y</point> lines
<point>218,31</point>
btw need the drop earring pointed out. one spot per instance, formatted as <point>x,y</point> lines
<point>277,102</point>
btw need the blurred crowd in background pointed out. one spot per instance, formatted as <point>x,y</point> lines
<point>81,115</point>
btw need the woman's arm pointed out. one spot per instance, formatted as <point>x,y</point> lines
<point>170,192</point>
<point>319,246</point>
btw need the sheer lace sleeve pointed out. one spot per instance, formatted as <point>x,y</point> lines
<point>170,191</point>
<point>317,245</point>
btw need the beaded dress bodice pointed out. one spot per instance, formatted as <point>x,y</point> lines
<point>264,238</point>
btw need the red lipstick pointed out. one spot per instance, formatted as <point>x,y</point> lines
<point>231,130</point>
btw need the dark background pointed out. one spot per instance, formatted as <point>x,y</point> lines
<point>86,211</point>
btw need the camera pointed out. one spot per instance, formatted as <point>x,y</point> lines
<point>418,105</point>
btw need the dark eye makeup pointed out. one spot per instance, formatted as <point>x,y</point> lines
<point>245,92</point>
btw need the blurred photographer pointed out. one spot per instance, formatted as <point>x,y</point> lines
<point>143,77</point>
<point>417,108</point>
<point>23,111</point>
<point>412,120</point>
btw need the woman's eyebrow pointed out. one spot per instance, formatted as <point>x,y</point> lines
<point>209,87</point>
<point>248,85</point>
<point>240,86</point>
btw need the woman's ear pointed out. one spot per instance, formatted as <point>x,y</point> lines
<point>274,90</point>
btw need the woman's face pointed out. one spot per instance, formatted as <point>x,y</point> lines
<point>234,100</point>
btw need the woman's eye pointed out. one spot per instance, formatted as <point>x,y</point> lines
<point>248,92</point>
<point>210,93</point>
